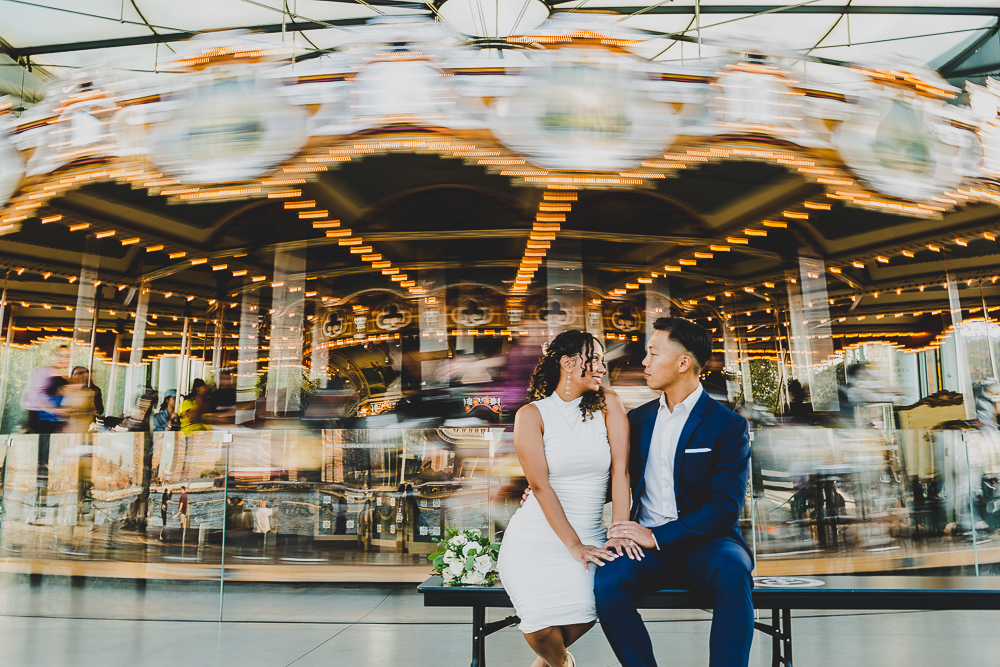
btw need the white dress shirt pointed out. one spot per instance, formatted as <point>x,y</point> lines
<point>659,501</point>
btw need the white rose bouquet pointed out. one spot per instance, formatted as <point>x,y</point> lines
<point>465,558</point>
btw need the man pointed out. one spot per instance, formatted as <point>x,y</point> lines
<point>182,510</point>
<point>83,375</point>
<point>688,464</point>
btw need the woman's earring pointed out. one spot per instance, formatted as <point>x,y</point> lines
<point>567,385</point>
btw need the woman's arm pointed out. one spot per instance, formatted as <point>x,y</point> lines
<point>531,454</point>
<point>617,423</point>
<point>618,436</point>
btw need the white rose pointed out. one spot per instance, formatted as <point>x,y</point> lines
<point>458,540</point>
<point>456,568</point>
<point>473,578</point>
<point>484,564</point>
<point>448,577</point>
<point>449,556</point>
<point>471,548</point>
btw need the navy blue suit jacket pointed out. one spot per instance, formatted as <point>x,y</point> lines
<point>710,485</point>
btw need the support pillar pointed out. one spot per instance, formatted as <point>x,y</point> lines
<point>217,345</point>
<point>284,368</point>
<point>961,354</point>
<point>112,407</point>
<point>319,367</point>
<point>246,365</point>
<point>657,304</point>
<point>4,366</point>
<point>564,304</point>
<point>83,325</point>
<point>135,378</point>
<point>811,339</point>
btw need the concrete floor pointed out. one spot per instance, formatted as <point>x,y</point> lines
<point>278,626</point>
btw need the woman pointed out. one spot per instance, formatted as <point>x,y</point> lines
<point>194,406</point>
<point>570,440</point>
<point>165,418</point>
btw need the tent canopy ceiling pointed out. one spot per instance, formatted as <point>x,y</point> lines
<point>59,34</point>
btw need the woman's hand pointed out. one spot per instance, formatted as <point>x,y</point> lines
<point>630,548</point>
<point>587,554</point>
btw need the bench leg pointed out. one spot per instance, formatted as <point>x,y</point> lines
<point>780,631</point>
<point>776,638</point>
<point>478,637</point>
<point>786,631</point>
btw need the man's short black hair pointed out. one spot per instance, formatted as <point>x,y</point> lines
<point>692,337</point>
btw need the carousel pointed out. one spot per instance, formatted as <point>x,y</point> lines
<point>392,224</point>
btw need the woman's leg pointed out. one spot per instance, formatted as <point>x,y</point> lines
<point>550,644</point>
<point>573,632</point>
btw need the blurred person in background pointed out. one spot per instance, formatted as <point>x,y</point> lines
<point>194,407</point>
<point>84,373</point>
<point>987,395</point>
<point>42,395</point>
<point>164,499</point>
<point>166,418</point>
<point>78,403</point>
<point>183,511</point>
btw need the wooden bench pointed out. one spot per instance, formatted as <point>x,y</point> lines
<point>779,594</point>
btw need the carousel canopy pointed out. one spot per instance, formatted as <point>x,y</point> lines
<point>42,39</point>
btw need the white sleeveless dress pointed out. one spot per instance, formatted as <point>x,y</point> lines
<point>547,586</point>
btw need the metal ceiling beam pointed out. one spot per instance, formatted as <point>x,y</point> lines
<point>951,68</point>
<point>945,10</point>
<point>664,9</point>
<point>269,28</point>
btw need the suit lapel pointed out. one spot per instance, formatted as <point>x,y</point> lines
<point>689,426</point>
<point>648,422</point>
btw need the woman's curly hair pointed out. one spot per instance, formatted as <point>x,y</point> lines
<point>545,377</point>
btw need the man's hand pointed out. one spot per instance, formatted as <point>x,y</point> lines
<point>630,530</point>
<point>625,548</point>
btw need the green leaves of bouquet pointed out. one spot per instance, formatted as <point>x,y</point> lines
<point>465,558</point>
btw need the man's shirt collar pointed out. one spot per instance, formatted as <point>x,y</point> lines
<point>688,402</point>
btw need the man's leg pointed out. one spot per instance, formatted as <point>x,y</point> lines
<point>722,569</point>
<point>616,586</point>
